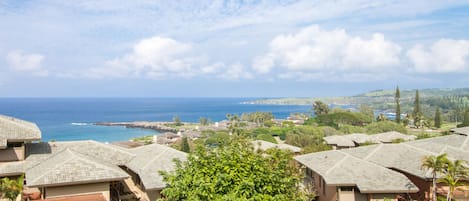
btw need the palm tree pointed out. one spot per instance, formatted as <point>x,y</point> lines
<point>436,164</point>
<point>454,172</point>
<point>11,188</point>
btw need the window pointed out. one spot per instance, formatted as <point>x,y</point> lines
<point>346,188</point>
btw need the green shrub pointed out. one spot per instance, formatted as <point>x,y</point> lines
<point>385,126</point>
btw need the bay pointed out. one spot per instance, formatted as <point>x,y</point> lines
<point>65,119</point>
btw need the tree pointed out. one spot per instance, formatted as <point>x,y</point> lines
<point>185,145</point>
<point>367,111</point>
<point>398,105</point>
<point>234,172</point>
<point>177,121</point>
<point>204,121</point>
<point>234,125</point>
<point>437,118</point>
<point>466,118</point>
<point>417,113</point>
<point>453,173</point>
<point>320,108</point>
<point>436,164</point>
<point>11,188</point>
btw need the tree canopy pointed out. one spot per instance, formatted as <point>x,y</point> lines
<point>398,105</point>
<point>11,188</point>
<point>320,108</point>
<point>234,171</point>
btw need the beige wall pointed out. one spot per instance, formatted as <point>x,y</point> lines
<point>425,187</point>
<point>324,191</point>
<point>360,197</point>
<point>61,191</point>
<point>346,195</point>
<point>154,194</point>
<point>12,154</point>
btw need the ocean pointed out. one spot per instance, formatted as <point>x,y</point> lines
<point>65,119</point>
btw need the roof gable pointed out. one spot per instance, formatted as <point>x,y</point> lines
<point>339,168</point>
<point>67,167</point>
<point>16,130</point>
<point>150,159</point>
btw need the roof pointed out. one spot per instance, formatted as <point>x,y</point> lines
<point>68,167</point>
<point>389,137</point>
<point>150,159</point>
<point>363,165</point>
<point>12,168</point>
<point>102,152</point>
<point>16,130</point>
<point>3,142</point>
<point>342,169</point>
<point>264,145</point>
<point>360,138</point>
<point>338,140</point>
<point>462,130</point>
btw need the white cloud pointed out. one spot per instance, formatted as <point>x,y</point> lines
<point>236,72</point>
<point>165,58</point>
<point>316,50</point>
<point>26,63</point>
<point>155,58</point>
<point>443,56</point>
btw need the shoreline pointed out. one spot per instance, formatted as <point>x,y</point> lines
<point>157,126</point>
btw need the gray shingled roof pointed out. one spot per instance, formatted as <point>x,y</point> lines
<point>264,145</point>
<point>16,130</point>
<point>342,169</point>
<point>12,168</point>
<point>407,157</point>
<point>339,140</point>
<point>102,152</point>
<point>68,167</point>
<point>150,159</point>
<point>388,137</point>
<point>3,142</point>
<point>462,130</point>
<point>360,138</point>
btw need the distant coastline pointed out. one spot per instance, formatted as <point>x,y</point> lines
<point>157,126</point>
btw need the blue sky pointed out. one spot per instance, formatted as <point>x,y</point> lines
<point>142,48</point>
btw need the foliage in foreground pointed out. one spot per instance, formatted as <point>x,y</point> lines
<point>234,172</point>
<point>11,188</point>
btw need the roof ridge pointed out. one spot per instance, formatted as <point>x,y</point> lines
<point>94,161</point>
<point>418,148</point>
<point>154,158</point>
<point>465,142</point>
<point>338,163</point>
<point>373,152</point>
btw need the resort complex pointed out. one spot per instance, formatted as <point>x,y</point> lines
<point>384,171</point>
<point>81,170</point>
<point>360,167</point>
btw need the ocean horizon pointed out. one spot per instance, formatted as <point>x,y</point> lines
<point>65,119</point>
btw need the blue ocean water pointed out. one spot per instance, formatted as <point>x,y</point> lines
<point>65,119</point>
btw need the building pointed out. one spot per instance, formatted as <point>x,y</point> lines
<point>357,139</point>
<point>264,145</point>
<point>382,170</point>
<point>81,170</point>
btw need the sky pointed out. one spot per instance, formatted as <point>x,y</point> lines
<point>178,48</point>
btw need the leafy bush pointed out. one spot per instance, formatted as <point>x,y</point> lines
<point>266,137</point>
<point>234,172</point>
<point>339,118</point>
<point>348,129</point>
<point>385,126</point>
